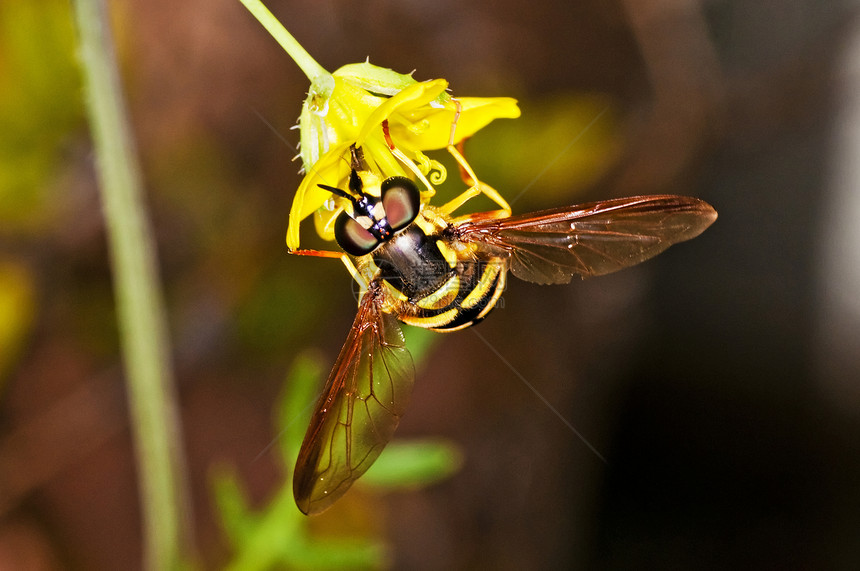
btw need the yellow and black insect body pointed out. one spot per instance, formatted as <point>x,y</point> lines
<point>419,265</point>
<point>441,284</point>
<point>435,281</point>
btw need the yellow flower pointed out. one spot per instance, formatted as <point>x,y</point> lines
<point>349,106</point>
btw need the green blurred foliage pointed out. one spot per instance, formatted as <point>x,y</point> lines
<point>40,104</point>
<point>413,464</point>
<point>278,535</point>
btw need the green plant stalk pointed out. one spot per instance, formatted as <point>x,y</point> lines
<point>141,316</point>
<point>309,66</point>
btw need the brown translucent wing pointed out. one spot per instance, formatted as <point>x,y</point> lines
<point>360,407</point>
<point>591,239</point>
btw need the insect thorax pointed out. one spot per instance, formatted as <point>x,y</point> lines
<point>440,283</point>
<point>413,263</point>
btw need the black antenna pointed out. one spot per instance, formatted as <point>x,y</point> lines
<point>338,192</point>
<point>360,206</point>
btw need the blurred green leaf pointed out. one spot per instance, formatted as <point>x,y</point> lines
<point>40,104</point>
<point>342,554</point>
<point>232,505</point>
<point>279,536</point>
<point>301,392</point>
<point>420,342</point>
<point>413,464</point>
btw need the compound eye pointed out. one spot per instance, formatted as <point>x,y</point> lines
<point>401,201</point>
<point>352,237</point>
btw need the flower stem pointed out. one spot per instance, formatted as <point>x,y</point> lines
<point>309,66</point>
<point>140,311</point>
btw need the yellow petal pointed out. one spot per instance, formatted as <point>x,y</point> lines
<point>410,99</point>
<point>349,109</point>
<point>429,128</point>
<point>327,122</point>
<point>332,169</point>
<point>376,150</point>
<point>324,222</point>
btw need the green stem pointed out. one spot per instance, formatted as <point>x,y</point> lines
<point>309,66</point>
<point>140,310</point>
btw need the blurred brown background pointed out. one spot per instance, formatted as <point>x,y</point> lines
<point>720,381</point>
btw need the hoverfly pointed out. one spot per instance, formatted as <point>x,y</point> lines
<point>420,265</point>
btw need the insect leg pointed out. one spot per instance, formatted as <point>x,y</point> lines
<point>410,164</point>
<point>468,175</point>
<point>454,121</point>
<point>317,253</point>
<point>476,187</point>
